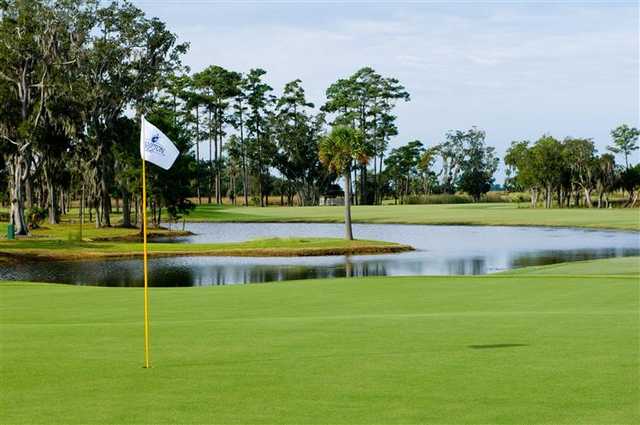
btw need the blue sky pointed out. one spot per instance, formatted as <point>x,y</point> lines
<point>515,69</point>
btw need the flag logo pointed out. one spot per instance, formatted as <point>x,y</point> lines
<point>154,146</point>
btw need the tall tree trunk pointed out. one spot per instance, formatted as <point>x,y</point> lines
<point>560,194</point>
<point>106,201</point>
<point>198,154</point>
<point>63,203</point>
<point>375,179</point>
<point>232,185</point>
<point>380,179</point>
<point>347,206</point>
<point>126,209</point>
<point>600,197</point>
<point>355,186</point>
<point>633,198</point>
<point>18,171</point>
<point>363,185</point>
<point>97,203</point>
<point>245,186</point>
<point>245,177</point>
<point>219,162</point>
<point>534,196</point>
<point>587,197</point>
<point>42,199</point>
<point>211,183</point>
<point>28,188</point>
<point>549,196</point>
<point>260,189</point>
<point>138,213</point>
<point>51,195</point>
<point>82,212</point>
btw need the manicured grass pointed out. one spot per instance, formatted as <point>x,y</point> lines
<point>89,231</point>
<point>530,348</point>
<point>609,266</point>
<point>494,214</point>
<point>66,231</point>
<point>57,249</point>
<point>480,214</point>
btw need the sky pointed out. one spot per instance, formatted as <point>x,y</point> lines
<point>516,69</point>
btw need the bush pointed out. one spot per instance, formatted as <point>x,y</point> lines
<point>35,217</point>
<point>463,198</point>
<point>438,199</point>
<point>507,197</point>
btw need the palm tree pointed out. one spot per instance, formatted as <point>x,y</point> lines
<point>338,151</point>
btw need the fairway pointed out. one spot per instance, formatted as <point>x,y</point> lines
<point>494,214</point>
<point>493,349</point>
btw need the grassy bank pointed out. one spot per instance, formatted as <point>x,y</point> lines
<point>535,348</point>
<point>57,249</point>
<point>66,231</point>
<point>465,214</point>
<point>621,266</point>
<point>491,214</point>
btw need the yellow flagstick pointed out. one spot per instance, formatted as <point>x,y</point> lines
<point>144,243</point>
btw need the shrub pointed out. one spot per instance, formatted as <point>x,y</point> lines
<point>463,198</point>
<point>35,217</point>
<point>438,199</point>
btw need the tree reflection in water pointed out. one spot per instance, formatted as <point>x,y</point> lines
<point>473,250</point>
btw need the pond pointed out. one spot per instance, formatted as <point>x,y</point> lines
<point>444,250</point>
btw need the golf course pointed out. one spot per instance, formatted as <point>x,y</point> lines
<point>546,344</point>
<point>352,212</point>
<point>555,344</point>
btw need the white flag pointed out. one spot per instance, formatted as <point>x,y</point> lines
<point>155,147</point>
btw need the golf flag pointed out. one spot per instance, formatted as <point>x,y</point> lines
<point>155,147</point>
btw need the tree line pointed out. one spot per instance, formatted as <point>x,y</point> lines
<point>77,75</point>
<point>564,173</point>
<point>571,171</point>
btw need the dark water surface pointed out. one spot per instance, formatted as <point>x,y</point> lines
<point>448,250</point>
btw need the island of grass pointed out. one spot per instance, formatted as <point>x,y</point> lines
<point>57,249</point>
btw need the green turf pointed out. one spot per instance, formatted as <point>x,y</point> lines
<point>532,348</point>
<point>496,214</point>
<point>480,214</point>
<point>64,249</point>
<point>67,231</point>
<point>610,266</point>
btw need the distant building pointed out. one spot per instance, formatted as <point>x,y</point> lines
<point>333,196</point>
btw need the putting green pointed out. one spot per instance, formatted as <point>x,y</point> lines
<point>506,348</point>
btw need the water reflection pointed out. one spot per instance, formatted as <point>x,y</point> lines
<point>453,250</point>
<point>558,256</point>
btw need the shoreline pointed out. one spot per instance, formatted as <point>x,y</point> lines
<point>461,224</point>
<point>94,253</point>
